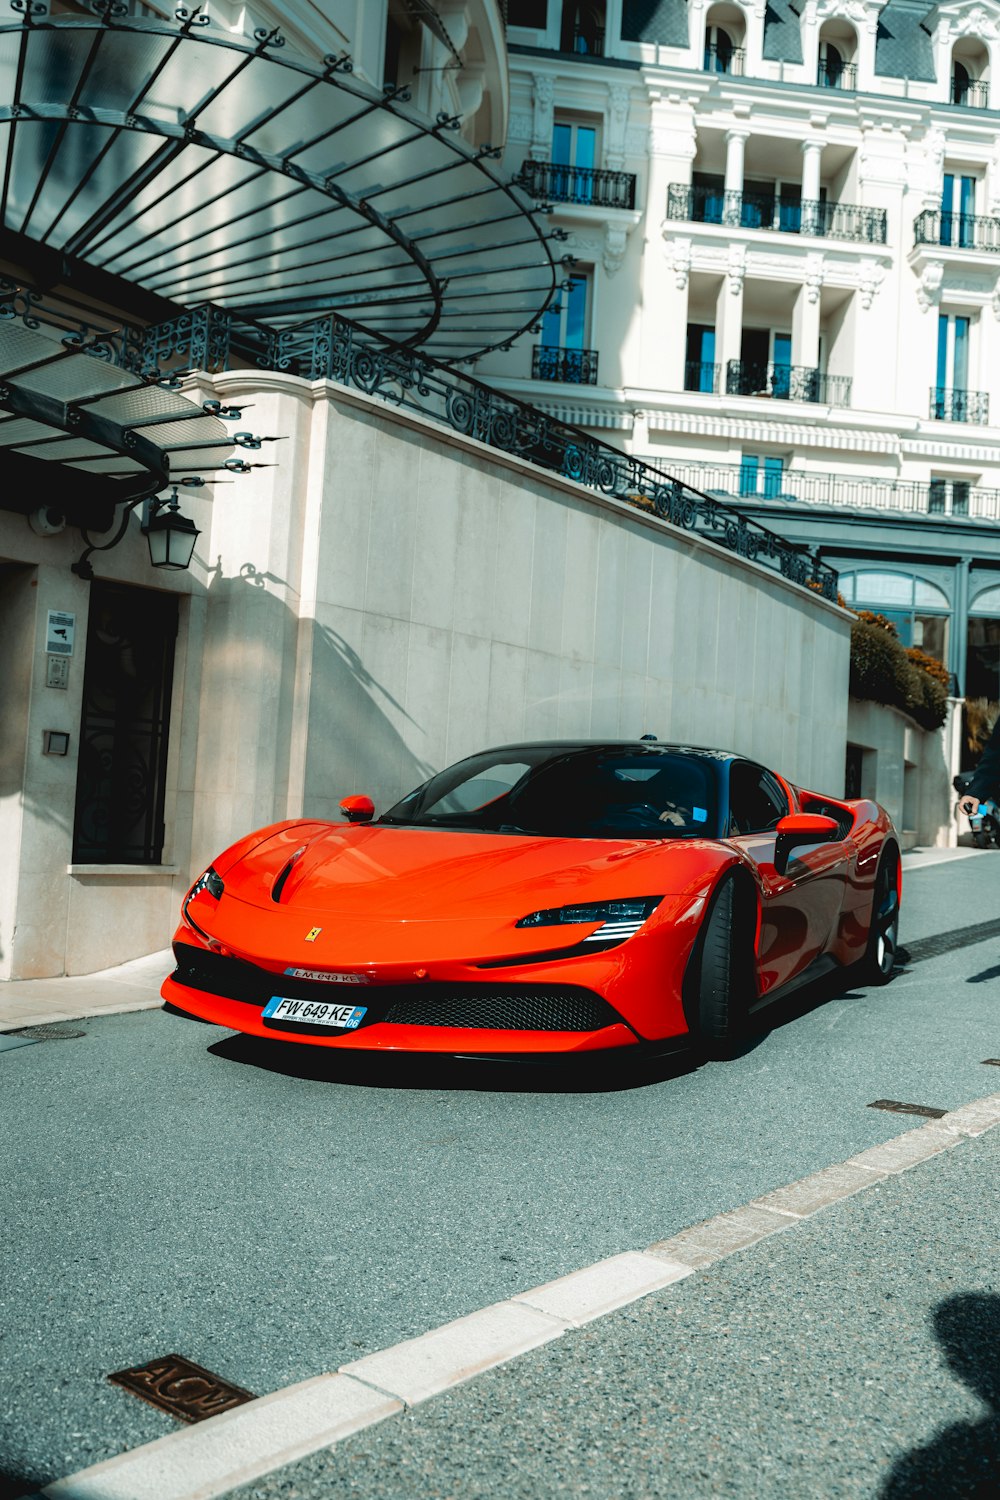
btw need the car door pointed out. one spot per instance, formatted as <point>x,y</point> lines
<point>801,907</point>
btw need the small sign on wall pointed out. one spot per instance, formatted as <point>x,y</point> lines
<point>59,633</point>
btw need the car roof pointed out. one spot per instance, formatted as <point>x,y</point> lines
<point>652,747</point>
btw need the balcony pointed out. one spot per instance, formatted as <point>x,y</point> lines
<point>942,497</point>
<point>838,76</point>
<point>834,221</point>
<point>973,93</point>
<point>787,383</point>
<point>552,182</point>
<point>729,60</point>
<point>699,376</point>
<point>960,406</point>
<point>574,366</point>
<point>957,231</point>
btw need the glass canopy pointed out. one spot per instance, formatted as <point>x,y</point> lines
<point>207,168</point>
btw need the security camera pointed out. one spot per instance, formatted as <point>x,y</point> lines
<point>47,521</point>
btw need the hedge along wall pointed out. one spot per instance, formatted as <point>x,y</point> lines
<point>883,671</point>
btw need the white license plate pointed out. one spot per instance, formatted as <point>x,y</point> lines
<point>315,1012</point>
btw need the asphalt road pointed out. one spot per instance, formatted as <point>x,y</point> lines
<point>169,1189</point>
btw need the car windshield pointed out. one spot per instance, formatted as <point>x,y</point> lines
<point>569,794</point>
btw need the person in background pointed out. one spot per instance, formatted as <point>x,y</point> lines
<point>986,776</point>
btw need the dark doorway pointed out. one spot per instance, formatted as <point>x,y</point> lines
<point>124,726</point>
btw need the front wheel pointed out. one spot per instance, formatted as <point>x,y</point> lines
<point>723,976</point>
<point>883,932</point>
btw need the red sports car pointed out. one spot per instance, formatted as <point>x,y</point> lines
<point>542,899</point>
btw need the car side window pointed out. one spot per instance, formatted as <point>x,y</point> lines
<point>756,799</point>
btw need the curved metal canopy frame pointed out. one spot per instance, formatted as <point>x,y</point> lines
<point>207,168</point>
<point>86,434</point>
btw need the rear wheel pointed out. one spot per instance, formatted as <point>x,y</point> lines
<point>723,976</point>
<point>883,931</point>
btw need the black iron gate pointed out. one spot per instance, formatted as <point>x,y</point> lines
<point>124,726</point>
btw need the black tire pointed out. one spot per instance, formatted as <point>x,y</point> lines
<point>883,930</point>
<point>722,979</point>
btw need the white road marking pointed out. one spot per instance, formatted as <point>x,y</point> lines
<point>239,1446</point>
<point>206,1461</point>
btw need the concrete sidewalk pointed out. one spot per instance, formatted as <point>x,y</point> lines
<point>136,985</point>
<point>38,1002</point>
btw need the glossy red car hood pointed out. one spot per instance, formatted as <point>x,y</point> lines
<point>419,874</point>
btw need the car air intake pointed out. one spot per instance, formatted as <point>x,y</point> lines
<point>485,1008</point>
<point>481,1007</point>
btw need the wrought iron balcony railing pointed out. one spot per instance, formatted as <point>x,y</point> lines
<point>786,383</point>
<point>698,204</point>
<point>959,406</point>
<point>574,366</point>
<point>974,93</point>
<point>959,231</point>
<point>333,348</point>
<point>556,183</point>
<point>699,376</point>
<point>838,76</point>
<point>951,497</point>
<point>730,60</point>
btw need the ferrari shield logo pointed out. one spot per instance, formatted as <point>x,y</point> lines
<point>313,934</point>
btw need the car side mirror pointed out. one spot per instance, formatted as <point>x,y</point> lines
<point>359,809</point>
<point>802,828</point>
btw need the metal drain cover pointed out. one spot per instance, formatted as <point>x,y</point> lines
<point>177,1385</point>
<point>53,1033</point>
<point>908,1109</point>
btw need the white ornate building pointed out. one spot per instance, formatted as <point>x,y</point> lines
<point>786,224</point>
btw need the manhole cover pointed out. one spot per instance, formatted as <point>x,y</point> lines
<point>908,1109</point>
<point>49,1033</point>
<point>182,1388</point>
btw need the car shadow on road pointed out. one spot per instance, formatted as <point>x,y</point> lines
<point>602,1073</point>
<point>963,1461</point>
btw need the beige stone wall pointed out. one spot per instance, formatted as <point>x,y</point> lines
<point>908,770</point>
<point>384,598</point>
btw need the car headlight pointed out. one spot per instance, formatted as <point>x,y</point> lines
<point>620,919</point>
<point>211,882</point>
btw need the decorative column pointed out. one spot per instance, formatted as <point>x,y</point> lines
<point>736,141</point>
<point>812,152</point>
<point>729,311</point>
<point>958,636</point>
<point>805,317</point>
<point>662,329</point>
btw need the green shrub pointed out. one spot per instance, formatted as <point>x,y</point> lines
<point>882,671</point>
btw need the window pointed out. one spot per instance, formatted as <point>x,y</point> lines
<point>582,29</point>
<point>958,209</point>
<point>919,610</point>
<point>948,497</point>
<point>952,373</point>
<point>700,370</point>
<point>761,475</point>
<point>718,50</point>
<point>565,324</point>
<point>530,13</point>
<point>574,157</point>
<point>756,800</point>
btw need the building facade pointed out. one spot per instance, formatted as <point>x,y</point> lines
<point>242,272</point>
<point>786,225</point>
